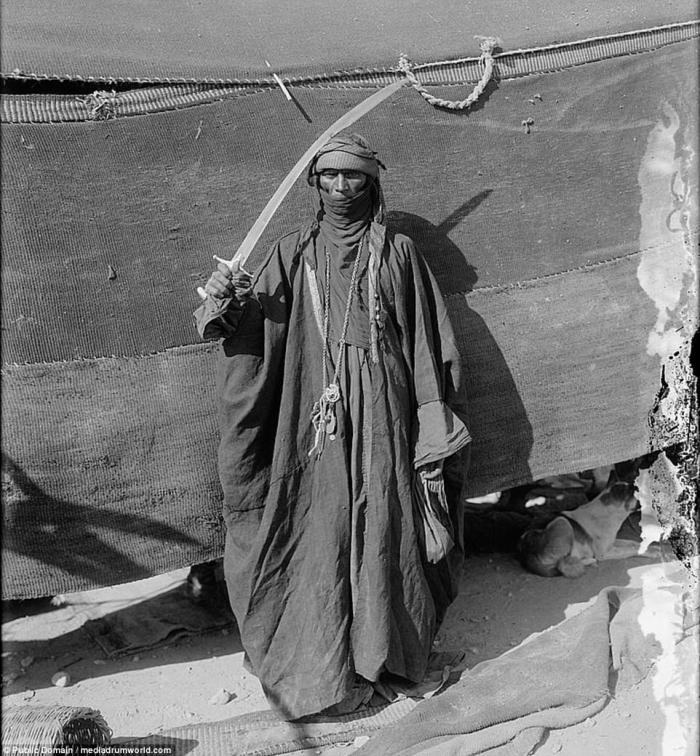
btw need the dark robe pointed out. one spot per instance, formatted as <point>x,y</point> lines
<point>323,564</point>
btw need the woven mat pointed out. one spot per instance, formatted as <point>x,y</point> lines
<point>263,733</point>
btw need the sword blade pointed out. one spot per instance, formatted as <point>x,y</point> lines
<point>347,119</point>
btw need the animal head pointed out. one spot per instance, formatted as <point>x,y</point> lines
<point>619,495</point>
<point>541,549</point>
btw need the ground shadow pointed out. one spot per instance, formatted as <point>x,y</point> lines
<point>166,628</point>
<point>501,432</point>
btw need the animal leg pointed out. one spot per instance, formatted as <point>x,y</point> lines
<point>621,549</point>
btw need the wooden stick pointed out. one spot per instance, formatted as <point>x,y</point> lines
<point>279,81</point>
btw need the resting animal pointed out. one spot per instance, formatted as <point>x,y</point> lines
<point>582,536</point>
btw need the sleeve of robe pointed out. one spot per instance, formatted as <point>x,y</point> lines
<point>252,338</point>
<point>218,317</point>
<point>431,351</point>
<point>440,433</point>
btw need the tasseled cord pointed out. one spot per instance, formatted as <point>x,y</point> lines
<point>376,316</point>
<point>433,523</point>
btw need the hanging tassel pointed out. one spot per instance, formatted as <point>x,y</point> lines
<point>320,428</point>
<point>373,342</point>
<point>433,522</point>
<point>376,316</point>
<point>323,418</point>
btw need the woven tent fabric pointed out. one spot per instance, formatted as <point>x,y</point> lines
<point>564,251</point>
<point>106,479</point>
<point>220,40</point>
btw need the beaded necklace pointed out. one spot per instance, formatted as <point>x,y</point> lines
<point>323,414</point>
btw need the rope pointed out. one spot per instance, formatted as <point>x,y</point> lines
<point>101,105</point>
<point>487,46</point>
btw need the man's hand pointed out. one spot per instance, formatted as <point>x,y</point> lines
<point>431,470</point>
<point>224,283</point>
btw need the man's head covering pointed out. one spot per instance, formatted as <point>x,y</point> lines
<point>343,222</point>
<point>349,152</point>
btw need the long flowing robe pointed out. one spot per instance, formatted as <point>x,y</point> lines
<point>323,562</point>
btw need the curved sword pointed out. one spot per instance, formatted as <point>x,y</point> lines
<point>275,201</point>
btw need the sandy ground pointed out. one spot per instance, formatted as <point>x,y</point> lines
<point>499,607</point>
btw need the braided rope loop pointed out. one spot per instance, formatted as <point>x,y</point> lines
<point>487,46</point>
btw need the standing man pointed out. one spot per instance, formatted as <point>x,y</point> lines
<point>343,447</point>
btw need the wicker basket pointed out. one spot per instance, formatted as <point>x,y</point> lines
<point>38,729</point>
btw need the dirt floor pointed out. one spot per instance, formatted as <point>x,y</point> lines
<point>149,691</point>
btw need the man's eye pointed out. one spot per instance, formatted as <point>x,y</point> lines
<point>349,175</point>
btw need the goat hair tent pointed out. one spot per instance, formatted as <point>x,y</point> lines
<point>559,214</point>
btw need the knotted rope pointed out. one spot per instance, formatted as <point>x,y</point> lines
<point>487,45</point>
<point>102,105</point>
